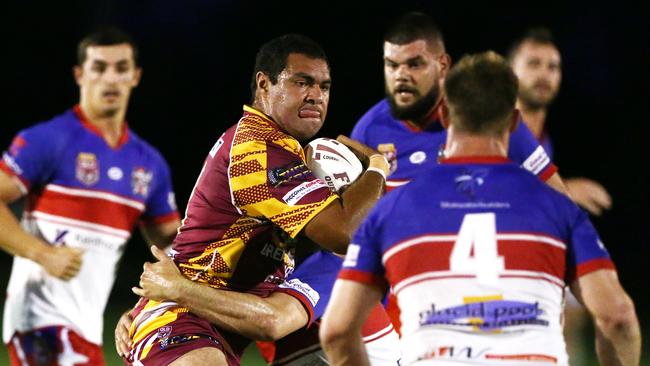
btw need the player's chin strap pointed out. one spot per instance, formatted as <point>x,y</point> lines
<point>379,164</point>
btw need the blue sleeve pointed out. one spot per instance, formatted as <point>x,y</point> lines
<point>359,132</point>
<point>363,261</point>
<point>524,149</point>
<point>33,155</point>
<point>161,202</point>
<point>313,280</point>
<point>586,252</point>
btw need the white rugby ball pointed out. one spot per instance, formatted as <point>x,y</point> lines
<point>332,162</point>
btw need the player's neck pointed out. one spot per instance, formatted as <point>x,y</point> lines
<point>461,144</point>
<point>111,126</point>
<point>534,118</point>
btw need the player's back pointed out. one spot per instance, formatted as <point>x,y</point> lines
<point>477,256</point>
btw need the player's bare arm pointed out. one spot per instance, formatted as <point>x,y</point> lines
<point>340,331</point>
<point>61,262</point>
<point>254,317</point>
<point>334,226</point>
<point>618,336</point>
<point>160,235</point>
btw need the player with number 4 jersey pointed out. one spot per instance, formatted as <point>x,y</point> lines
<point>478,251</point>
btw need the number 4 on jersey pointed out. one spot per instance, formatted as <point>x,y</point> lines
<point>475,249</point>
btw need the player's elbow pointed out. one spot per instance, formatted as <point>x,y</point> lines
<point>619,317</point>
<point>333,333</point>
<point>270,327</point>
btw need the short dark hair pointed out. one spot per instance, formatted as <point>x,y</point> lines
<point>105,36</point>
<point>272,57</point>
<point>539,35</point>
<point>414,26</point>
<point>481,93</point>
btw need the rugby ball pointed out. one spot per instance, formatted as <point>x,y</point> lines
<point>332,162</point>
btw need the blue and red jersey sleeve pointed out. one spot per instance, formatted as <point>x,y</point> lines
<point>161,203</point>
<point>526,150</point>
<point>32,156</point>
<point>363,260</point>
<point>586,253</point>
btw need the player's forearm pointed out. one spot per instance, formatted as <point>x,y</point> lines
<point>362,196</point>
<point>618,339</point>
<point>345,350</point>
<point>16,241</point>
<point>245,314</point>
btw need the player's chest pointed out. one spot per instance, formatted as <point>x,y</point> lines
<point>123,171</point>
<point>409,152</point>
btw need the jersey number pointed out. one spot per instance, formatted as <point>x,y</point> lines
<point>475,249</point>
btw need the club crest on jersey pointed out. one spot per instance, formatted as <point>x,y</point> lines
<point>87,171</point>
<point>140,180</point>
<point>469,181</point>
<point>287,172</point>
<point>390,153</point>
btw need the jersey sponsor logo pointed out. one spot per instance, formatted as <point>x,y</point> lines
<point>140,180</point>
<point>485,315</point>
<point>454,352</point>
<point>87,168</point>
<point>286,173</point>
<point>537,161</point>
<point>299,286</point>
<point>418,157</point>
<point>390,153</point>
<point>115,173</point>
<point>216,147</point>
<point>11,163</point>
<point>295,195</point>
<point>352,255</point>
<point>469,181</point>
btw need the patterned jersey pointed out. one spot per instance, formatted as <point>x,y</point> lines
<point>252,198</point>
<point>83,193</point>
<point>478,252</point>
<point>410,149</point>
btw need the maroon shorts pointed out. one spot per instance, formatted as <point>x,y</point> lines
<point>45,346</point>
<point>160,342</point>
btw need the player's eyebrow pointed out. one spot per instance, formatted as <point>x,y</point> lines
<point>310,79</point>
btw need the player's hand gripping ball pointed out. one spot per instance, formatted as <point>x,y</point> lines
<point>333,162</point>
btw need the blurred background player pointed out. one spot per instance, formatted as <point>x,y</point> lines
<point>537,63</point>
<point>89,180</point>
<point>492,293</point>
<point>406,125</point>
<point>253,199</point>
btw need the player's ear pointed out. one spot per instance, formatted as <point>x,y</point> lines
<point>516,118</point>
<point>444,60</point>
<point>262,81</point>
<point>77,72</point>
<point>137,75</point>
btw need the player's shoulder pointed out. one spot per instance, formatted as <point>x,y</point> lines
<point>57,127</point>
<point>255,133</point>
<point>378,113</point>
<point>146,149</point>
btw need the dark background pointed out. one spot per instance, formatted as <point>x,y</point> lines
<point>198,55</point>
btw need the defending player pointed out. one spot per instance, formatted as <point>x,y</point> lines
<point>483,282</point>
<point>89,179</point>
<point>252,200</point>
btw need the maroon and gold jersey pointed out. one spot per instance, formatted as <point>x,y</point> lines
<point>253,197</point>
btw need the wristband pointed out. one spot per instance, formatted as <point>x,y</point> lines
<point>377,170</point>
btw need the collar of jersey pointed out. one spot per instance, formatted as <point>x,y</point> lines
<point>257,112</point>
<point>124,136</point>
<point>476,159</point>
<point>434,117</point>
